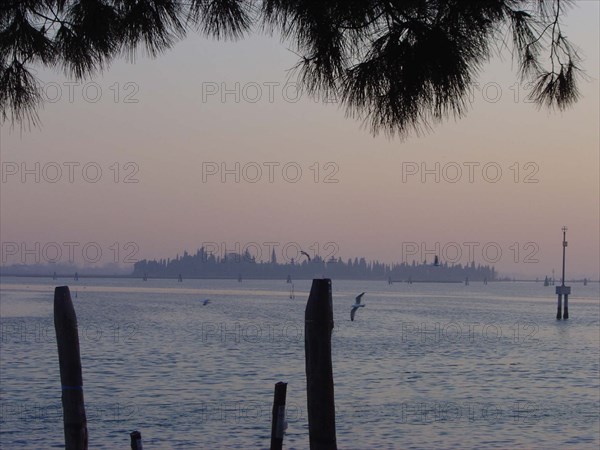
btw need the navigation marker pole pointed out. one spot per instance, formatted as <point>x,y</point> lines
<point>562,289</point>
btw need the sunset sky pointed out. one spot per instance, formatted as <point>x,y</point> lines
<point>160,128</point>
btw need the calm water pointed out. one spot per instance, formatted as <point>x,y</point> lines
<point>423,366</point>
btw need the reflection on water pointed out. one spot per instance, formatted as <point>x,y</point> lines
<point>422,366</point>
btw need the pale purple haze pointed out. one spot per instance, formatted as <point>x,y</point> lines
<point>153,114</point>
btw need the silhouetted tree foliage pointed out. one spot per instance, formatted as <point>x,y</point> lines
<point>398,65</point>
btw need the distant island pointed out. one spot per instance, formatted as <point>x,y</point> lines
<point>233,265</point>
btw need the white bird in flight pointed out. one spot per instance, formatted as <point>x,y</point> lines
<point>356,306</point>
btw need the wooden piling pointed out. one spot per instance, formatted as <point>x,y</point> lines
<point>136,440</point>
<point>278,416</point>
<point>67,339</point>
<point>319,371</point>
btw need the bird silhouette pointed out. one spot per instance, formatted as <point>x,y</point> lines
<point>302,252</point>
<point>357,305</point>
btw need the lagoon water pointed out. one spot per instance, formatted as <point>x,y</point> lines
<point>423,366</point>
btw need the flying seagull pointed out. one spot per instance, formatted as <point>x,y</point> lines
<point>206,302</point>
<point>302,252</point>
<point>356,306</point>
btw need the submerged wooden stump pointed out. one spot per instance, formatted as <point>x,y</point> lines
<point>278,416</point>
<point>136,440</point>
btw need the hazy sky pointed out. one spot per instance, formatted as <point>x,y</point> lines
<point>508,176</point>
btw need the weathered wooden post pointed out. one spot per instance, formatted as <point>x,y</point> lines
<point>278,418</point>
<point>67,339</point>
<point>136,440</point>
<point>319,371</point>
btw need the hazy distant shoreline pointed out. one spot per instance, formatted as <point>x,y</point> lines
<point>133,277</point>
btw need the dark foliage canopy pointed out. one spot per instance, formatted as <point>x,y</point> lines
<point>398,65</point>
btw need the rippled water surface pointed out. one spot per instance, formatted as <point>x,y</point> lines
<point>423,366</point>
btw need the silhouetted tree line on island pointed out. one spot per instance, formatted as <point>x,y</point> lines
<point>233,265</point>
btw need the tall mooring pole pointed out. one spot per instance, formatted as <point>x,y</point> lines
<point>562,289</point>
<point>318,326</point>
